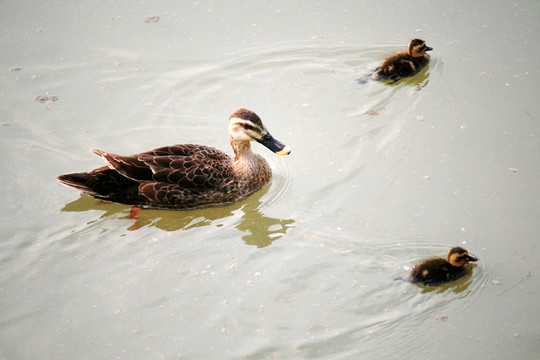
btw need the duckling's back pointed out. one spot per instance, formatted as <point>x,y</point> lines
<point>435,271</point>
<point>399,66</point>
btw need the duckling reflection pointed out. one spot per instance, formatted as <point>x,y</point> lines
<point>258,229</point>
<point>436,271</point>
<point>402,64</point>
<point>460,286</point>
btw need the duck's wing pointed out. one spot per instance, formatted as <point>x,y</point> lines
<point>182,176</point>
<point>164,161</point>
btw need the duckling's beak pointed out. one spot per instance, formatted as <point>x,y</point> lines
<point>428,48</point>
<point>472,258</point>
<point>274,145</point>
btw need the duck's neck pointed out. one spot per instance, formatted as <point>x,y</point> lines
<point>249,165</point>
<point>242,150</point>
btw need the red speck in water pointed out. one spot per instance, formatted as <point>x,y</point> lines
<point>134,211</point>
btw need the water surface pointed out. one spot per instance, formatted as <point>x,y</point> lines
<point>379,178</point>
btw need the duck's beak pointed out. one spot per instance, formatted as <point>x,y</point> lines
<point>428,48</point>
<point>276,146</point>
<point>472,258</point>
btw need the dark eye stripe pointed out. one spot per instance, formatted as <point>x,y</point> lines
<point>247,126</point>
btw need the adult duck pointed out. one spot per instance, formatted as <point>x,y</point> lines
<point>184,176</point>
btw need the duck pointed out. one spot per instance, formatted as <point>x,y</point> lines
<point>402,64</point>
<point>437,271</point>
<point>184,176</point>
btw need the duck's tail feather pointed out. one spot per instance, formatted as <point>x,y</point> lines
<point>80,181</point>
<point>102,183</point>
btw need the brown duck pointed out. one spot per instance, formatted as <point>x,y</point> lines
<point>402,64</point>
<point>184,176</point>
<point>438,271</point>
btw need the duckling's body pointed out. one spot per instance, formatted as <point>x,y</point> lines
<point>438,271</point>
<point>184,176</point>
<point>402,64</point>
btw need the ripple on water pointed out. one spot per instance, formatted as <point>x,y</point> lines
<point>379,308</point>
<point>338,131</point>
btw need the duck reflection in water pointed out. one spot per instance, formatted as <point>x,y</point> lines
<point>259,230</point>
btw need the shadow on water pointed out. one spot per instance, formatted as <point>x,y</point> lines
<point>245,215</point>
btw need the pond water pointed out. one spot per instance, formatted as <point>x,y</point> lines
<point>379,178</point>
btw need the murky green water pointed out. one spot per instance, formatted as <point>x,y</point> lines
<point>379,178</point>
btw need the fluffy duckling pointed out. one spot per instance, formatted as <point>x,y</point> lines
<point>184,176</point>
<point>438,271</point>
<point>402,64</point>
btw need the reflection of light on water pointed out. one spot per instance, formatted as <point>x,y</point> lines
<point>260,230</point>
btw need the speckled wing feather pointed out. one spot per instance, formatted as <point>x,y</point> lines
<point>178,175</point>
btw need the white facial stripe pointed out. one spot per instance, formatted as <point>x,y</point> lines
<point>250,125</point>
<point>240,121</point>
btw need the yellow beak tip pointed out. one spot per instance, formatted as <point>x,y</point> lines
<point>285,151</point>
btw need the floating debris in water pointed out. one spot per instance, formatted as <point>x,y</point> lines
<point>153,18</point>
<point>513,169</point>
<point>371,112</point>
<point>15,68</point>
<point>45,98</point>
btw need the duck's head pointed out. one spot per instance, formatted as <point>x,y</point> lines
<point>458,256</point>
<point>417,48</point>
<point>245,126</point>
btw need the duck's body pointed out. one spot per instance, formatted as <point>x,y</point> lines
<point>184,176</point>
<point>402,64</point>
<point>438,271</point>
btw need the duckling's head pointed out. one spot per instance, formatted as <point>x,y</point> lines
<point>417,48</point>
<point>458,256</point>
<point>245,126</point>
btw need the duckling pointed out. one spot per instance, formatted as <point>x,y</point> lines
<point>402,64</point>
<point>184,176</point>
<point>438,271</point>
